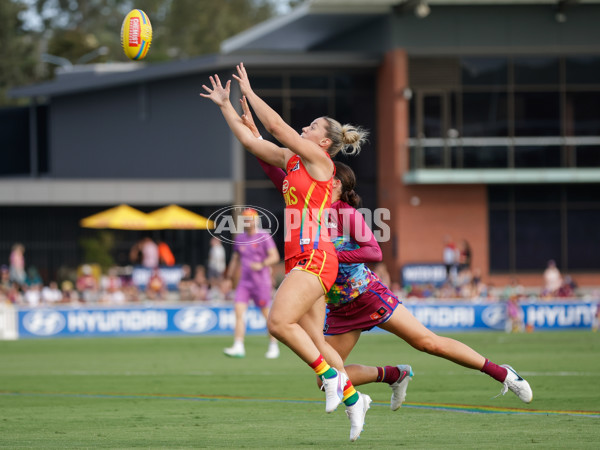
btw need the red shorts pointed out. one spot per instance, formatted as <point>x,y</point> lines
<point>371,308</point>
<point>322,264</point>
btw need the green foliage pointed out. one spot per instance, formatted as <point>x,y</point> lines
<point>97,249</point>
<point>181,392</point>
<point>73,29</point>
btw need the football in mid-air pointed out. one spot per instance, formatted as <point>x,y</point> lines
<point>136,34</point>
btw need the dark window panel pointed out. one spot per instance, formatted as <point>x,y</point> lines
<point>485,114</point>
<point>499,194</point>
<point>267,82</point>
<point>433,124</point>
<point>306,109</point>
<point>583,193</point>
<point>537,114</point>
<point>434,157</point>
<point>583,113</point>
<point>309,82</point>
<point>499,240</point>
<point>533,70</point>
<point>484,71</point>
<point>537,239</point>
<point>537,157</point>
<point>485,157</point>
<point>583,69</point>
<point>14,138</point>
<point>540,193</point>
<point>584,239</point>
<point>588,156</point>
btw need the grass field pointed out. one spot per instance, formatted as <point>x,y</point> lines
<point>183,393</point>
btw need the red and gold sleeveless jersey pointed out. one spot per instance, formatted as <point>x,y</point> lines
<point>307,201</point>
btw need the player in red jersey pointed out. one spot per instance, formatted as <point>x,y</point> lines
<point>359,301</point>
<point>310,257</point>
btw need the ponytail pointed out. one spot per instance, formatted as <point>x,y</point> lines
<point>345,138</point>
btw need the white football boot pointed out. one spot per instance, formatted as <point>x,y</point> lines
<point>356,413</point>
<point>334,390</point>
<point>400,385</point>
<point>272,352</point>
<point>235,351</point>
<point>517,384</point>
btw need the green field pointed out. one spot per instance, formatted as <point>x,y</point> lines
<point>183,393</point>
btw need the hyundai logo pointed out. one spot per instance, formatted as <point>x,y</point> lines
<point>44,322</point>
<point>494,316</point>
<point>195,320</point>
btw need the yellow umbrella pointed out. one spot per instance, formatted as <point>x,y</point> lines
<point>122,217</point>
<point>175,217</point>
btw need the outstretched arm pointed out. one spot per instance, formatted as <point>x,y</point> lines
<point>267,151</point>
<point>315,158</point>
<point>275,174</point>
<point>360,233</point>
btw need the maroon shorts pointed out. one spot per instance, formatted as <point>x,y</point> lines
<point>373,307</point>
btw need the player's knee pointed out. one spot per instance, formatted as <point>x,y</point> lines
<point>275,327</point>
<point>429,344</point>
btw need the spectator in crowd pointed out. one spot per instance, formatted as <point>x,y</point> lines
<point>515,316</point>
<point>33,276</point>
<point>552,280</point>
<point>17,264</point>
<point>185,283</point>
<point>156,288</point>
<point>111,288</point>
<point>5,281</point>
<point>464,256</point>
<point>382,272</point>
<point>51,294</point>
<point>199,287</point>
<point>165,254</point>
<point>216,260</point>
<point>221,291</point>
<point>150,256</point>
<point>69,294</point>
<point>568,288</point>
<point>32,295</point>
<point>87,285</point>
<point>450,258</point>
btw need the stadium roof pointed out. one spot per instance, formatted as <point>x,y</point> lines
<point>101,76</point>
<point>316,20</point>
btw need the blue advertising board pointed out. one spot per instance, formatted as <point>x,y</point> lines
<point>214,320</point>
<point>423,274</point>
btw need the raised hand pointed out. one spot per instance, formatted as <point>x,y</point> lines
<point>247,118</point>
<point>242,78</point>
<point>218,93</point>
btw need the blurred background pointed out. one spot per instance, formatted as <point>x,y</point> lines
<point>484,146</point>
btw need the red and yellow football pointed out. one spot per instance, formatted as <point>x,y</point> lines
<point>136,34</point>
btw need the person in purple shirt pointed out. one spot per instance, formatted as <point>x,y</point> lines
<point>254,251</point>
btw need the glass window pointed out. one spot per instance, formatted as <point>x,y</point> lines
<point>485,157</point>
<point>432,116</point>
<point>583,69</point>
<point>306,109</point>
<point>537,114</point>
<point>540,193</point>
<point>536,71</point>
<point>588,156</point>
<point>309,82</point>
<point>434,157</point>
<point>537,239</point>
<point>499,240</point>
<point>534,156</point>
<point>14,135</point>
<point>485,114</point>
<point>583,193</point>
<point>267,82</point>
<point>357,81</point>
<point>583,239</point>
<point>583,113</point>
<point>499,194</point>
<point>484,71</point>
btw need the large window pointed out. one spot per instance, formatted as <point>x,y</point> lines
<point>505,112</point>
<point>530,225</point>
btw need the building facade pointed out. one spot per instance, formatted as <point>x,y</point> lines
<point>485,122</point>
